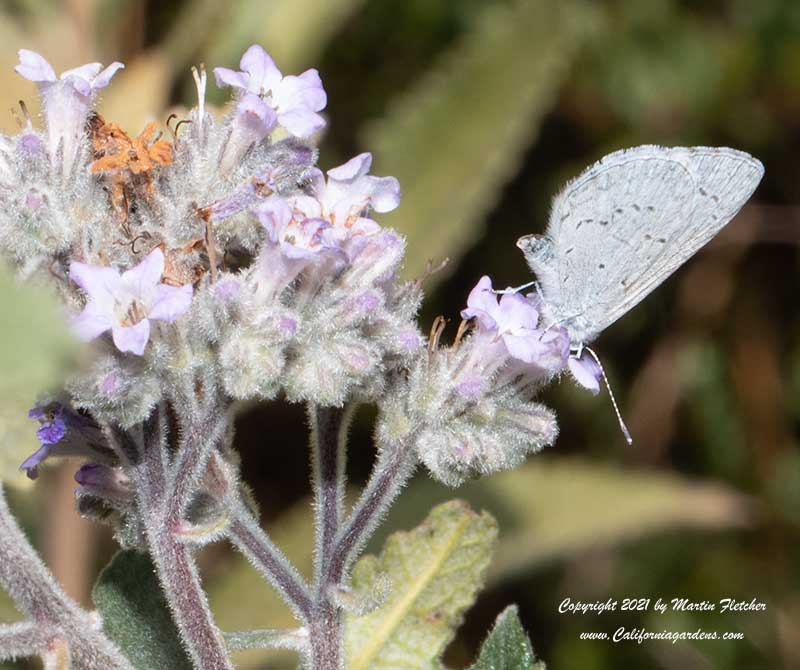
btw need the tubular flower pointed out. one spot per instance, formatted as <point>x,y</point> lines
<point>66,101</point>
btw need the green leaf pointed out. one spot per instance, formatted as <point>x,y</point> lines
<point>34,349</point>
<point>508,646</point>
<point>435,572</point>
<point>460,134</point>
<point>135,613</point>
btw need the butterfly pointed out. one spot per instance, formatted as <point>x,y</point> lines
<point>627,223</point>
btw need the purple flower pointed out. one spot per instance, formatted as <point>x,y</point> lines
<point>66,100</point>
<point>126,303</point>
<point>292,100</point>
<point>251,124</point>
<point>51,417</point>
<point>347,196</point>
<point>104,481</point>
<point>301,239</point>
<point>63,432</point>
<point>513,317</point>
<point>586,371</point>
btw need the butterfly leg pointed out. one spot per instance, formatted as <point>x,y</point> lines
<point>516,289</point>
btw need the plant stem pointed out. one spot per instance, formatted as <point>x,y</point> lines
<point>392,470</point>
<point>328,449</point>
<point>37,595</point>
<point>176,569</point>
<point>326,637</point>
<point>24,639</point>
<point>181,583</point>
<point>248,536</point>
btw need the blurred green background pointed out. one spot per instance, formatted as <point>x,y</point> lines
<point>483,109</point>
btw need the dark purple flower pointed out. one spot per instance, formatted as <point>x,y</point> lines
<point>63,432</point>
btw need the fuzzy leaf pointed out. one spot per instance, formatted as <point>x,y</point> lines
<point>435,571</point>
<point>508,646</point>
<point>459,135</point>
<point>135,613</point>
<point>34,348</point>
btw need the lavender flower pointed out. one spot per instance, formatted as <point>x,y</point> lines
<point>66,100</point>
<point>126,303</point>
<point>293,101</point>
<point>344,200</point>
<point>586,371</point>
<point>514,319</point>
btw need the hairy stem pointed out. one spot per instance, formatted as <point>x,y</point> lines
<point>326,637</point>
<point>174,563</point>
<point>37,595</point>
<point>392,470</point>
<point>295,639</point>
<point>181,583</point>
<point>24,639</point>
<point>248,536</point>
<point>196,446</point>
<point>328,454</point>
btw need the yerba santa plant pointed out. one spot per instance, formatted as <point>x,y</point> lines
<point>211,262</point>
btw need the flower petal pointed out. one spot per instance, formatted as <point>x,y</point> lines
<point>274,214</point>
<point>301,122</point>
<point>142,279</point>
<point>34,67</point>
<point>132,339</point>
<point>384,193</point>
<point>227,77</point>
<point>170,302</point>
<point>93,321</point>
<point>482,304</point>
<point>100,283</point>
<point>586,372</point>
<point>303,91</point>
<point>516,315</point>
<point>264,74</point>
<point>31,464</point>
<point>263,116</point>
<point>104,78</point>
<point>356,167</point>
<point>85,72</point>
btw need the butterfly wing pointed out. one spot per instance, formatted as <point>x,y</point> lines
<point>628,222</point>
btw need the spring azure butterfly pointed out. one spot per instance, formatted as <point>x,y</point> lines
<point>626,224</point>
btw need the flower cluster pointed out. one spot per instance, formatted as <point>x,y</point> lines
<point>224,256</point>
<point>467,409</point>
<point>226,261</point>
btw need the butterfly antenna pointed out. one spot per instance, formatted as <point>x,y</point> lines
<point>622,425</point>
